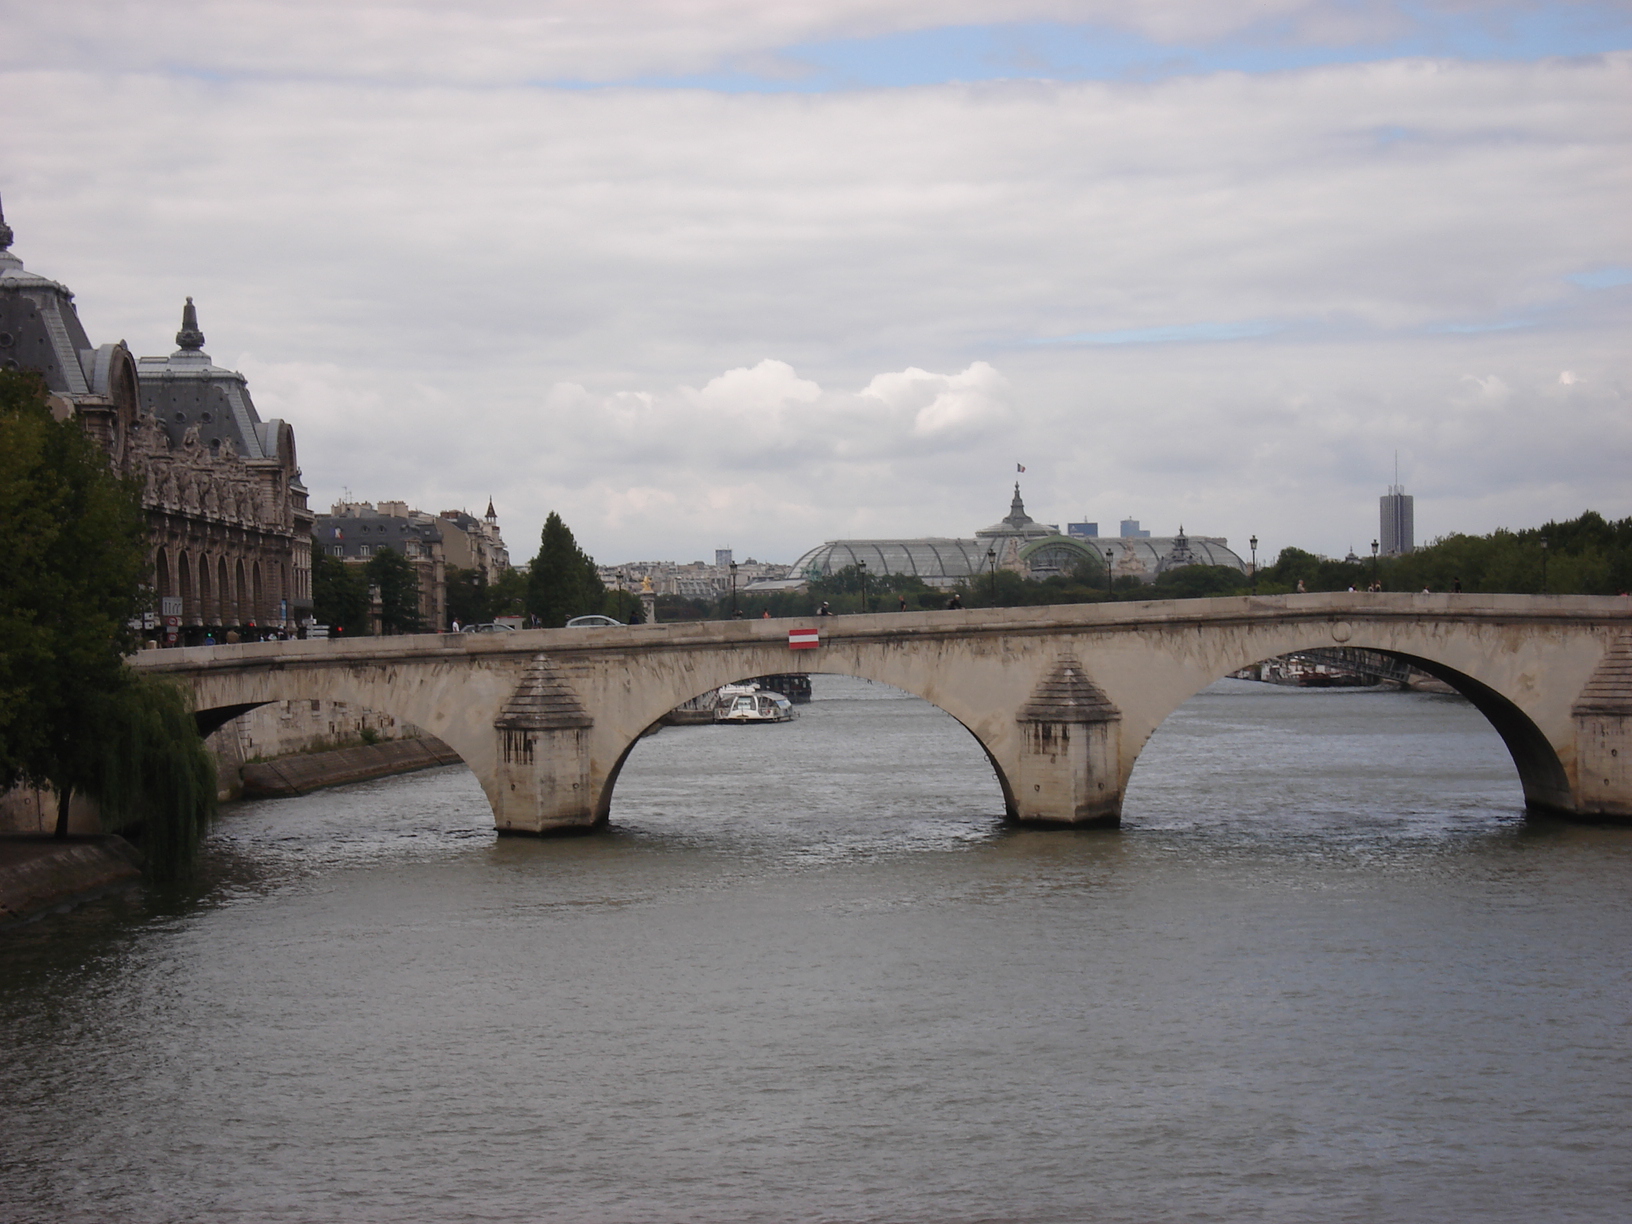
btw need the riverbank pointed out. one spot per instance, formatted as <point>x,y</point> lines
<point>306,772</point>
<point>38,873</point>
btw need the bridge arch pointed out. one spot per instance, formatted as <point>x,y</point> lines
<point>603,799</point>
<point>1541,771</point>
<point>1062,699</point>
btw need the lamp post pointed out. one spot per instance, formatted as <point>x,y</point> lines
<point>733,590</point>
<point>1374,563</point>
<point>991,563</point>
<point>1253,544</point>
<point>1544,565</point>
<point>861,568</point>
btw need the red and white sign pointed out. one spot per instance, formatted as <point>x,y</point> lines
<point>802,639</point>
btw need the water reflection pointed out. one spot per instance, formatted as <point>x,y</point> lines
<point>809,974</point>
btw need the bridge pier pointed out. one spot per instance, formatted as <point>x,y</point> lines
<point>1603,739</point>
<point>1070,755</point>
<point>543,760</point>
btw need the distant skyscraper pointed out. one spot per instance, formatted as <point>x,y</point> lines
<point>1130,530</point>
<point>722,556</point>
<point>1395,533</point>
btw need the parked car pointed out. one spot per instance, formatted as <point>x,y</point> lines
<point>487,628</point>
<point>593,622</point>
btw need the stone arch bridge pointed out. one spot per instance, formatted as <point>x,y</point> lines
<point>1061,698</point>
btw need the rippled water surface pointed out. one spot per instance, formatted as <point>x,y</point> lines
<point>1326,971</point>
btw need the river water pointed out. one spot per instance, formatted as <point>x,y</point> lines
<point>1326,971</point>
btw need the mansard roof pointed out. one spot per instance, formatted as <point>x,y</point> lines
<point>187,389</point>
<point>40,328</point>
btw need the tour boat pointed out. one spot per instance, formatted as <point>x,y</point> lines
<point>748,703</point>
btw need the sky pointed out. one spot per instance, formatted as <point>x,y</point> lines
<point>756,274</point>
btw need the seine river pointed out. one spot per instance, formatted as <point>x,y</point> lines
<point>1326,972</point>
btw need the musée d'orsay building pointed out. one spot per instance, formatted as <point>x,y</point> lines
<point>229,530</point>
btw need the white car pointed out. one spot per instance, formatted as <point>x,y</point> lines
<point>593,622</point>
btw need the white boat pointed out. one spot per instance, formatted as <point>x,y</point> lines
<point>748,703</point>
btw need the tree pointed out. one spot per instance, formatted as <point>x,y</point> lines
<point>563,582</point>
<point>72,715</point>
<point>339,594</point>
<point>469,602</point>
<point>508,596</point>
<point>394,576</point>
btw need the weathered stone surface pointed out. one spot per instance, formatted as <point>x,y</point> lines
<point>543,701</point>
<point>298,775</point>
<point>38,873</point>
<point>1609,691</point>
<point>1067,695</point>
<point>582,700</point>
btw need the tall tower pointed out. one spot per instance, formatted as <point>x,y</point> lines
<point>1395,528</point>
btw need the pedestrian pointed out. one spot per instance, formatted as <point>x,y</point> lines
<point>824,610</point>
<point>903,603</point>
<point>1302,590</point>
<point>1456,586</point>
<point>954,603</point>
<point>456,624</point>
<point>765,615</point>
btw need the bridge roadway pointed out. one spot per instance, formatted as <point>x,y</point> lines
<point>1062,698</point>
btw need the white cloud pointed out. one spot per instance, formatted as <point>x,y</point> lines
<point>689,320</point>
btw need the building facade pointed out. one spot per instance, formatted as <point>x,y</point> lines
<point>228,524</point>
<point>1395,528</point>
<point>472,543</point>
<point>356,532</point>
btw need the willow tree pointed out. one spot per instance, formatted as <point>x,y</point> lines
<point>562,583</point>
<point>73,557</point>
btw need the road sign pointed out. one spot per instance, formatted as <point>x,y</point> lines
<point>170,605</point>
<point>803,639</point>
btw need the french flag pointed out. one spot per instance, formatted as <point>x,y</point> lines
<point>803,639</point>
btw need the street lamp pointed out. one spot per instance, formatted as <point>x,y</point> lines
<point>1253,544</point>
<point>1544,565</point>
<point>733,590</point>
<point>991,562</point>
<point>1374,563</point>
<point>861,568</point>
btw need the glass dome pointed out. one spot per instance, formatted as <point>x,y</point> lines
<point>939,562</point>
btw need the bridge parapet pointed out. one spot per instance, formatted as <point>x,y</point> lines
<point>1035,686</point>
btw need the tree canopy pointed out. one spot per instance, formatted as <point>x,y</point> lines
<point>393,575</point>
<point>73,716</point>
<point>339,594</point>
<point>562,583</point>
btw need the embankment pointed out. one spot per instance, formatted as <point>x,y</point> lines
<point>39,873</point>
<point>297,775</point>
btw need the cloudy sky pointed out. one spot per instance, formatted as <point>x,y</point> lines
<point>760,273</point>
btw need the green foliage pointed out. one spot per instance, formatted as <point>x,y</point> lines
<point>398,584</point>
<point>73,716</point>
<point>469,601</point>
<point>150,772</point>
<point>339,594</point>
<point>1199,582</point>
<point>71,576</point>
<point>563,582</point>
<point>1584,556</point>
<point>508,596</point>
<point>623,606</point>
